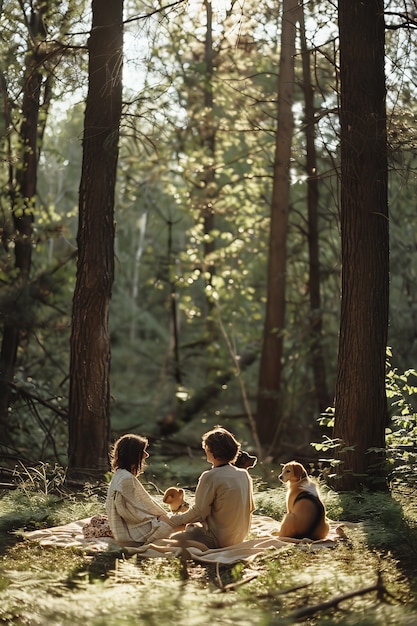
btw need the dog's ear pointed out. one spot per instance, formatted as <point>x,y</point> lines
<point>171,494</point>
<point>299,470</point>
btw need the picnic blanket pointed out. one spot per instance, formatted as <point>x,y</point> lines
<point>262,537</point>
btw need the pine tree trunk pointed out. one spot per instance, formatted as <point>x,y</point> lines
<point>360,401</point>
<point>89,402</point>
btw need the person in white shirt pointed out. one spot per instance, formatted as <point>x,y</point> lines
<point>134,516</point>
<point>222,511</point>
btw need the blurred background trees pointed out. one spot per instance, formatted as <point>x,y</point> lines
<point>193,201</point>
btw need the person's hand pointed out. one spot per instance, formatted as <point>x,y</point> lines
<point>163,518</point>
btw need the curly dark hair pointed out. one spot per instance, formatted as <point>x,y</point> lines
<point>128,453</point>
<point>221,444</point>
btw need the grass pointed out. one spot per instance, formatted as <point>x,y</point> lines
<point>67,586</point>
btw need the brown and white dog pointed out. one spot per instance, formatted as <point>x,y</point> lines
<point>306,514</point>
<point>174,497</point>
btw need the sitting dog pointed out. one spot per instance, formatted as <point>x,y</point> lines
<point>306,515</point>
<point>245,460</point>
<point>174,497</point>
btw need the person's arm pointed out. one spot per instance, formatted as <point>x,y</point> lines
<point>204,496</point>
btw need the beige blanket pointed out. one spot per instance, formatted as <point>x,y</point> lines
<point>263,537</point>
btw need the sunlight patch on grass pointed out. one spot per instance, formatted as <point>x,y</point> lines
<point>132,595</point>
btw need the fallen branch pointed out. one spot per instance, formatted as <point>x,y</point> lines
<point>308,611</point>
<point>282,592</point>
<point>184,412</point>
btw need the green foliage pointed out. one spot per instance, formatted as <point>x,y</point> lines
<point>182,264</point>
<point>42,479</point>
<point>401,434</point>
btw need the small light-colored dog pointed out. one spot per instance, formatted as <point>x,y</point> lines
<point>174,497</point>
<point>306,514</point>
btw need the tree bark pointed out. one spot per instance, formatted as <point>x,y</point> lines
<point>89,401</point>
<point>360,400</point>
<point>268,416</point>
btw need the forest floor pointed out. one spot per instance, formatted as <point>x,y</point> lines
<point>369,577</point>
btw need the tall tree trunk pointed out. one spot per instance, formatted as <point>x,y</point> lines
<point>360,402</point>
<point>316,350</point>
<point>268,418</point>
<point>89,402</point>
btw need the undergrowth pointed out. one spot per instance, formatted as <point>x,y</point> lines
<point>40,585</point>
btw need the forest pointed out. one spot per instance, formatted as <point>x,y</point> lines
<point>207,217</point>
